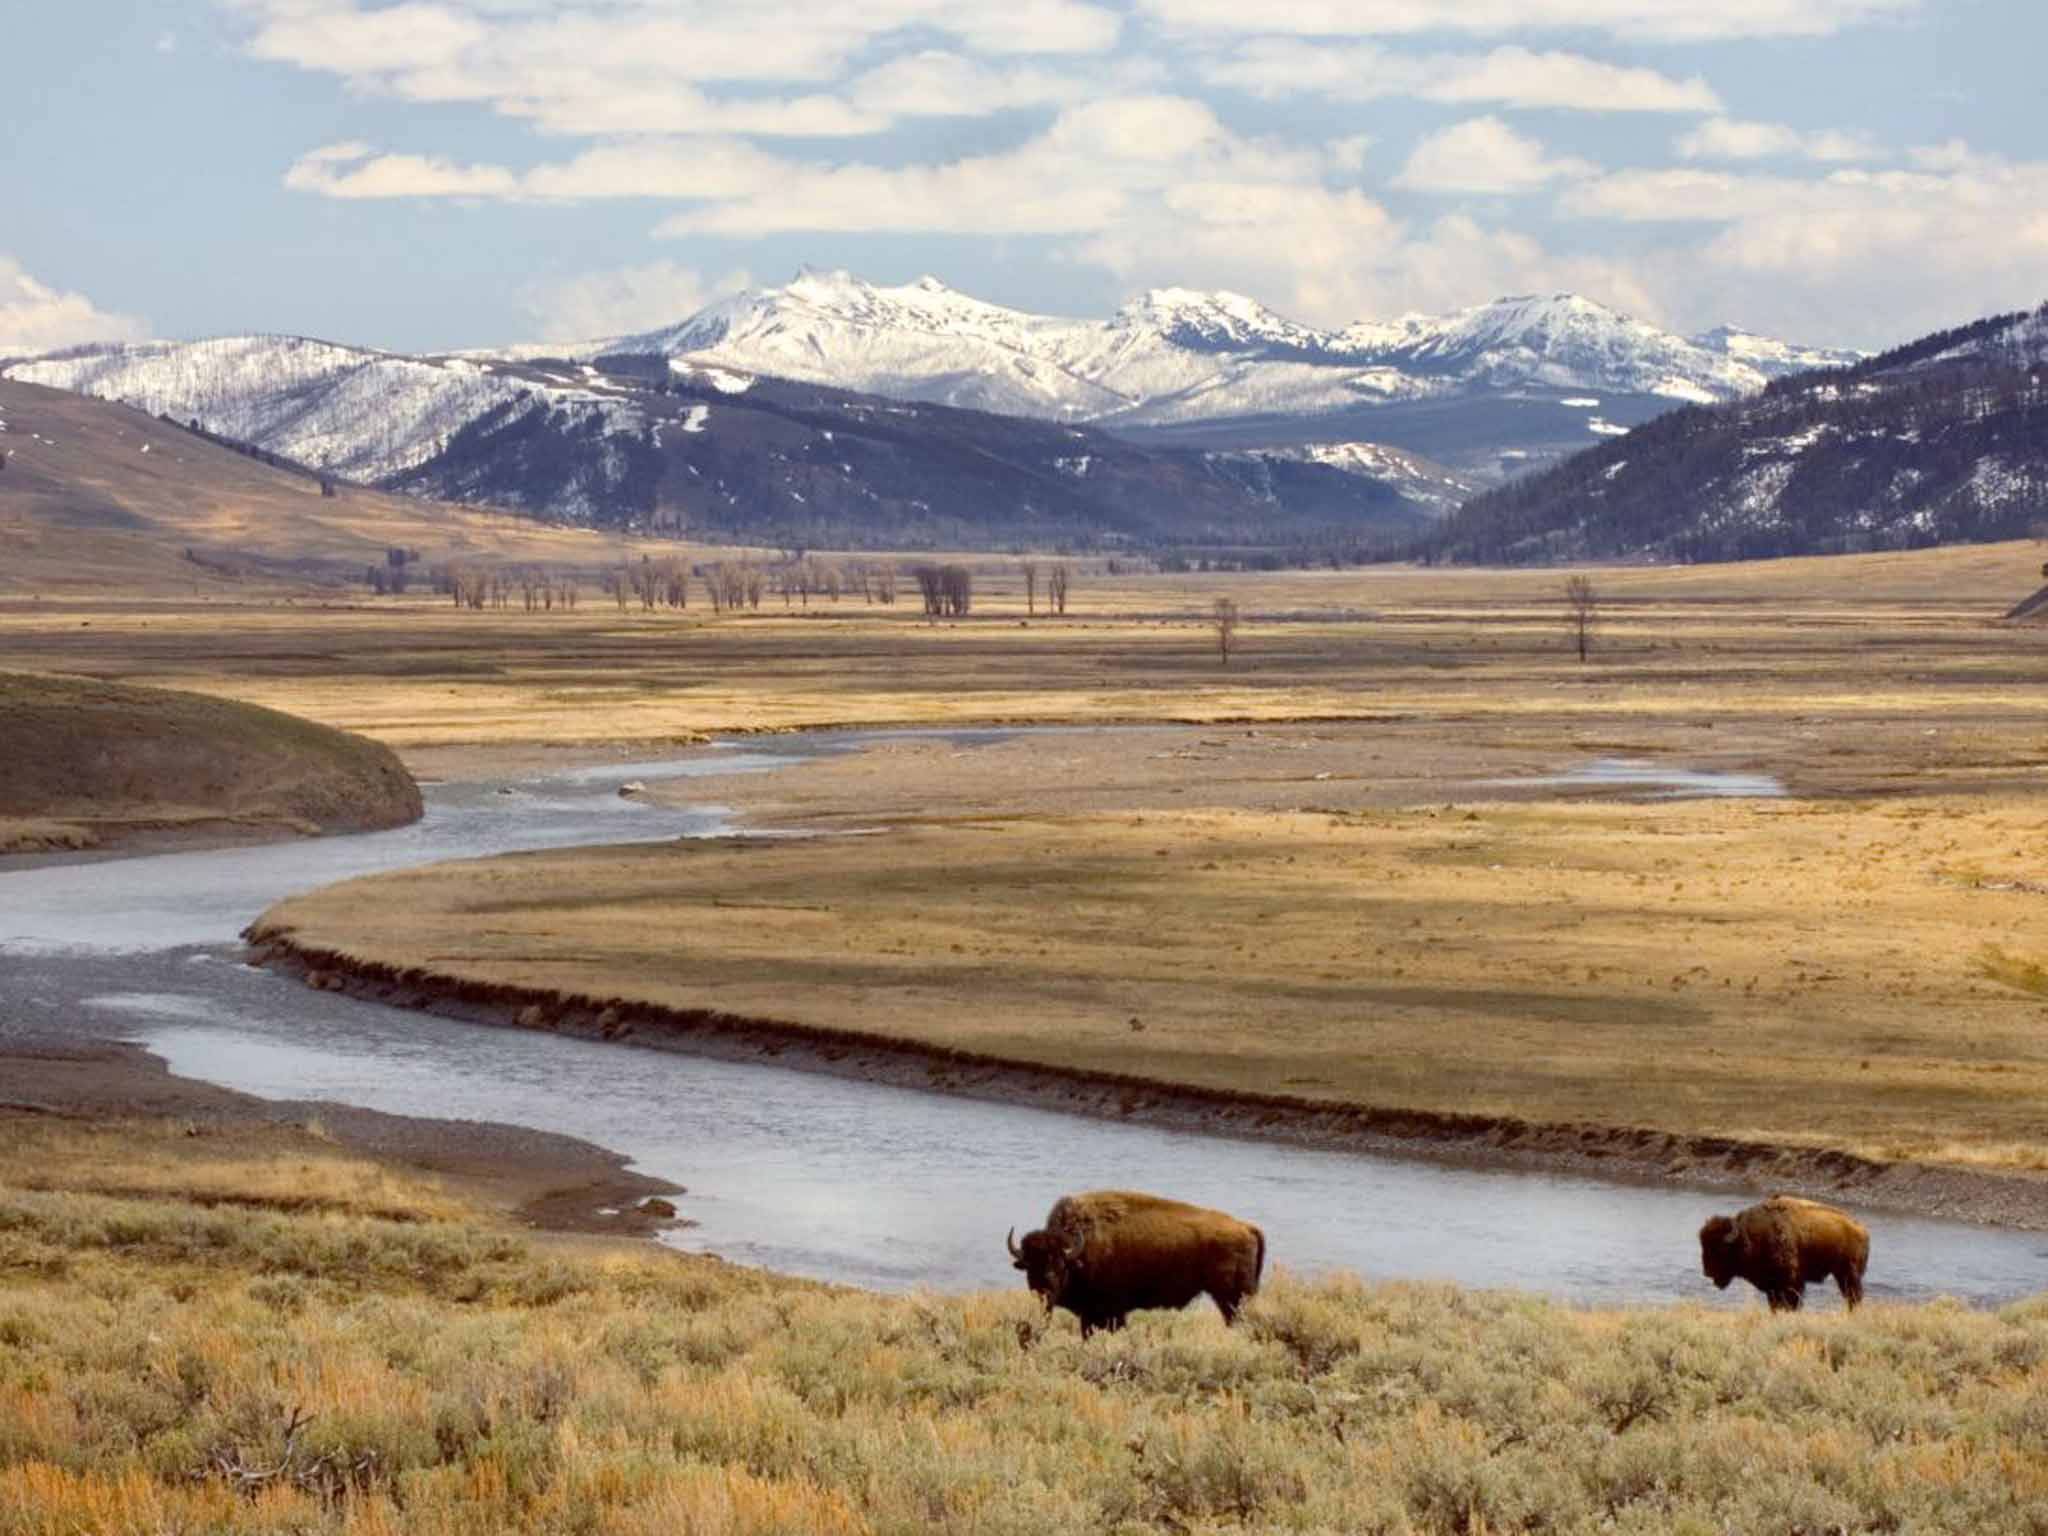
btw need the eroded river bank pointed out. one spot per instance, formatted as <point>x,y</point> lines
<point>871,1183</point>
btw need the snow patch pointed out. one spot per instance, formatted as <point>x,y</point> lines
<point>698,415</point>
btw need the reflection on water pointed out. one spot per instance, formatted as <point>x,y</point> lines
<point>814,1175</point>
<point>895,1189</point>
<point>1658,780</point>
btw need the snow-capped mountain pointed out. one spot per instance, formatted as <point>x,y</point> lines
<point>1178,357</point>
<point>638,443</point>
<point>1771,358</point>
<point>363,415</point>
<point>1938,442</point>
<point>1272,420</point>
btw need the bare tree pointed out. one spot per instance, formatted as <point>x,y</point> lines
<point>1581,611</point>
<point>1224,617</point>
<point>957,583</point>
<point>885,583</point>
<point>1056,583</point>
<point>1031,586</point>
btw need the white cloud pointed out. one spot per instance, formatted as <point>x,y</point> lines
<point>1727,138</point>
<point>35,317</point>
<point>1867,255</point>
<point>355,171</point>
<point>1483,154</point>
<point>1656,20</point>
<point>682,66</point>
<point>1509,76</point>
<point>597,305</point>
<point>935,83</point>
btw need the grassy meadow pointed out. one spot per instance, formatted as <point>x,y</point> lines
<point>1857,975</point>
<point>1856,643</point>
<point>383,1359</point>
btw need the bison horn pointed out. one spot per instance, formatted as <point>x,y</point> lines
<point>1015,1251</point>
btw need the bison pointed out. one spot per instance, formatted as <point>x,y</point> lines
<point>1783,1245</point>
<point>1108,1254</point>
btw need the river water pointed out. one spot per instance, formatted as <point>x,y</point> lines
<point>816,1175</point>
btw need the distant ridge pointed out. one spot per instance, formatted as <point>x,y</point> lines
<point>1941,441</point>
<point>1179,355</point>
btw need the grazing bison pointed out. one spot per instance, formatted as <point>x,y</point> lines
<point>1783,1245</point>
<point>1105,1255</point>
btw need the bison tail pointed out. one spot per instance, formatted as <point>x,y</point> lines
<point>1259,1259</point>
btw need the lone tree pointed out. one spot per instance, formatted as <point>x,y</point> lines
<point>1056,583</point>
<point>1224,617</point>
<point>1581,611</point>
<point>1030,569</point>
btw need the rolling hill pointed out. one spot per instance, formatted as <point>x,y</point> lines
<point>633,443</point>
<point>1942,441</point>
<point>96,497</point>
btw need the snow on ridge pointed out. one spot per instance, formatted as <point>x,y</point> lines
<point>363,414</point>
<point>1181,354</point>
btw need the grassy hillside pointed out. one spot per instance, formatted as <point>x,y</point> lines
<point>88,762</point>
<point>378,1359</point>
<point>96,497</point>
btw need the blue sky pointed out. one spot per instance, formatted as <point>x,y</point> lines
<point>446,173</point>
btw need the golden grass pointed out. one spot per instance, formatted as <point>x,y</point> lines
<point>1791,973</point>
<point>277,1170</point>
<point>168,1367</point>
<point>31,834</point>
<point>1866,639</point>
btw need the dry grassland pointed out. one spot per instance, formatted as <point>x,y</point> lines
<point>1870,642</point>
<point>1848,975</point>
<point>388,1364</point>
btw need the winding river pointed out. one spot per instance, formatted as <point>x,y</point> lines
<point>816,1175</point>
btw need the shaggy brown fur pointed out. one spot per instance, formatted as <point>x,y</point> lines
<point>1783,1245</point>
<point>1107,1254</point>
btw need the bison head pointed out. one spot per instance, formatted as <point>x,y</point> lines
<point>1047,1260</point>
<point>1718,1251</point>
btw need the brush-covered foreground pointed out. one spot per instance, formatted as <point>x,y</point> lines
<point>383,1364</point>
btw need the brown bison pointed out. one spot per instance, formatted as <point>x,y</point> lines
<point>1108,1254</point>
<point>1783,1245</point>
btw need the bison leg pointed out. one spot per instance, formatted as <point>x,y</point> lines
<point>1227,1302</point>
<point>1851,1284</point>
<point>1785,1298</point>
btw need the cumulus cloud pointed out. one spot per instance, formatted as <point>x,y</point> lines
<point>1510,76</point>
<point>770,67</point>
<point>34,317</point>
<point>1483,154</point>
<point>595,306</point>
<point>1862,254</point>
<point>1655,20</point>
<point>1726,138</point>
